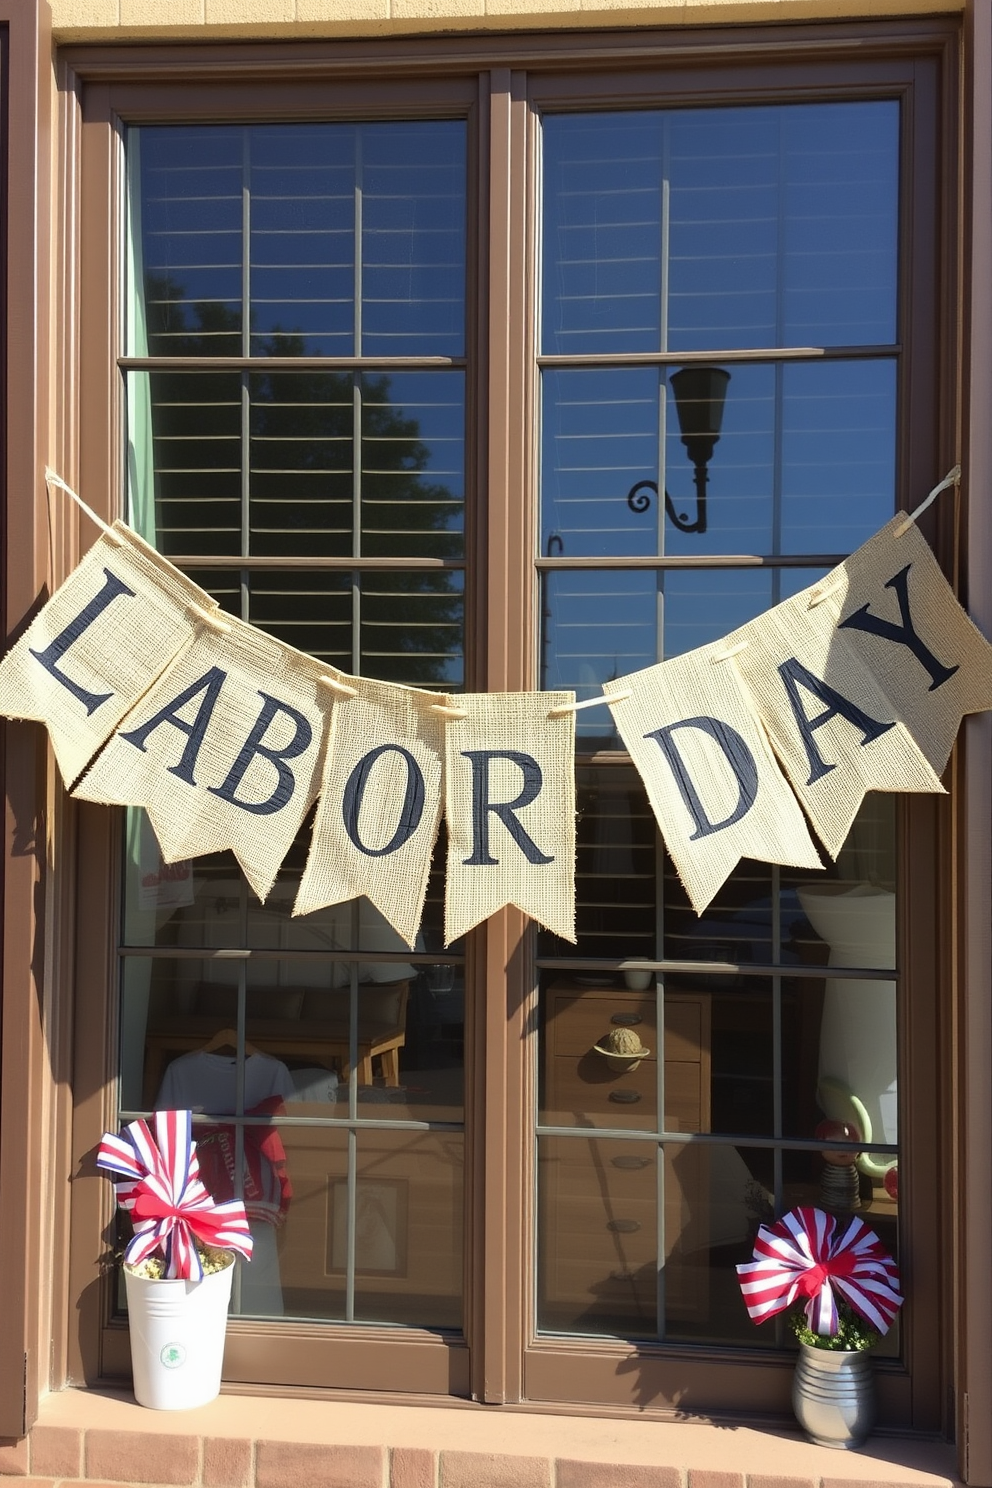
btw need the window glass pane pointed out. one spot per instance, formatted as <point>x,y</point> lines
<point>413,464</point>
<point>720,228</point>
<point>301,187</point>
<point>804,461</point>
<point>186,461</point>
<point>268,217</point>
<point>185,208</point>
<point>745,1054</point>
<point>413,239</point>
<point>300,481</point>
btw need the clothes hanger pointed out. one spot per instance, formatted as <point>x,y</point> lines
<point>226,1038</point>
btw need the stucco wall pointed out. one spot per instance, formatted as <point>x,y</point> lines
<point>120,20</point>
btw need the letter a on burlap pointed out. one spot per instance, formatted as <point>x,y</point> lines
<point>98,645</point>
<point>224,751</point>
<point>380,804</point>
<point>510,810</point>
<point>712,780</point>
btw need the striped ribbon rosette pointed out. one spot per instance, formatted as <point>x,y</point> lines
<point>807,1254</point>
<point>162,1191</point>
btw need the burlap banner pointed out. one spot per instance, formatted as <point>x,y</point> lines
<point>830,723</point>
<point>226,736</point>
<point>691,731</point>
<point>98,644</point>
<point>224,751</point>
<point>510,809</point>
<point>380,804</point>
<point>900,617</point>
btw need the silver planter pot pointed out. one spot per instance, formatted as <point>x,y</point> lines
<point>833,1395</point>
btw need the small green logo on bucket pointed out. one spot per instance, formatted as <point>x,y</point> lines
<point>173,1356</point>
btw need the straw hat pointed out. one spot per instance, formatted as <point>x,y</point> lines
<point>622,1049</point>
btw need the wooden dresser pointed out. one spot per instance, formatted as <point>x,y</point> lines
<point>598,1205</point>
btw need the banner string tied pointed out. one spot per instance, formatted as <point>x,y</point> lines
<point>447,712</point>
<point>162,1191</point>
<point>730,651</point>
<point>336,686</point>
<point>808,1254</point>
<point>611,698</point>
<point>952,478</point>
<point>52,479</point>
<point>210,621</point>
<point>819,595</point>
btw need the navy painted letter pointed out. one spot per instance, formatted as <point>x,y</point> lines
<point>286,780</point>
<point>794,675</point>
<point>902,635</point>
<point>210,685</point>
<point>53,654</point>
<point>410,812</point>
<point>738,756</point>
<point>482,806</point>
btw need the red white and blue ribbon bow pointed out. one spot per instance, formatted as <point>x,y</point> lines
<point>165,1197</point>
<point>809,1254</point>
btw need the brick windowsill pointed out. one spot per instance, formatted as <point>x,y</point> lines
<point>258,1442</point>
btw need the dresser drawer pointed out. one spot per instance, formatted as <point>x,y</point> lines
<point>576,1021</point>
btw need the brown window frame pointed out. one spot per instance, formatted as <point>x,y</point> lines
<point>504,83</point>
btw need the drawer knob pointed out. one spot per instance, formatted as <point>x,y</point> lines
<point>627,1020</point>
<point>623,1226</point>
<point>625,1097</point>
<point>630,1164</point>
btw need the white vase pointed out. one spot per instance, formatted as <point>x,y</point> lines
<point>177,1338</point>
<point>858,1031</point>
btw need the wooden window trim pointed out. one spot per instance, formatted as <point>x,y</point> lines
<point>908,59</point>
<point>28,1069</point>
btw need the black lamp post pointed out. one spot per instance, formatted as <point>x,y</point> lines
<point>700,393</point>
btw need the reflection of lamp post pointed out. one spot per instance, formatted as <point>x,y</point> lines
<point>699,398</point>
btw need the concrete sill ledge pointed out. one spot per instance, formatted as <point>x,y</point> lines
<point>239,1441</point>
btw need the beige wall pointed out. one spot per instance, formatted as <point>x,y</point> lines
<point>120,20</point>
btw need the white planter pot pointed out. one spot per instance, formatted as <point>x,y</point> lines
<point>177,1338</point>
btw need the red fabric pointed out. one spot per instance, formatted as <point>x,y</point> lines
<point>267,1189</point>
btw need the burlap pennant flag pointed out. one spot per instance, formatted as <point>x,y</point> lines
<point>829,721</point>
<point>98,645</point>
<point>510,810</point>
<point>712,780</point>
<point>900,616</point>
<point>224,751</point>
<point>380,804</point>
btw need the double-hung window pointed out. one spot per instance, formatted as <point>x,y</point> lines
<point>488,378</point>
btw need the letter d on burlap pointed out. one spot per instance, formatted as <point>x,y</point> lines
<point>510,809</point>
<point>711,777</point>
<point>98,645</point>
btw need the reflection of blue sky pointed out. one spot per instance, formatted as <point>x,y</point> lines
<point>779,230</point>
<point>744,228</point>
<point>805,461</point>
<point>303,183</point>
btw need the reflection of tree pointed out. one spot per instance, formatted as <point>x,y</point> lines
<point>302,442</point>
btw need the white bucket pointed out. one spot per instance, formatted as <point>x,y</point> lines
<point>177,1338</point>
